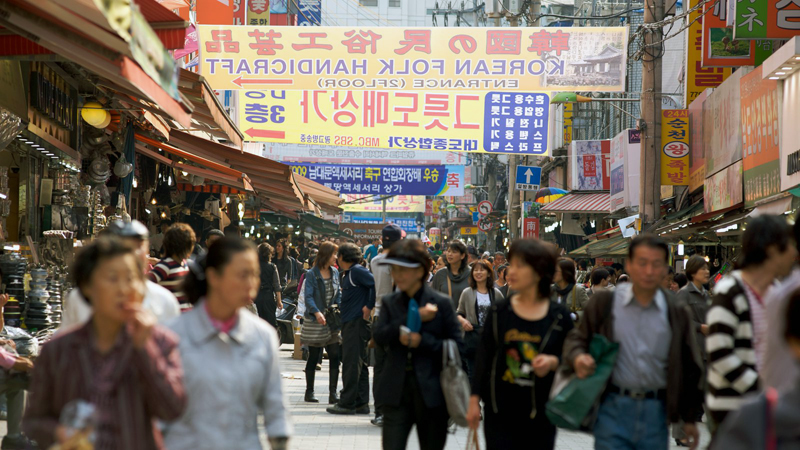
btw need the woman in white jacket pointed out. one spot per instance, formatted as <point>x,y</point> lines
<point>474,305</point>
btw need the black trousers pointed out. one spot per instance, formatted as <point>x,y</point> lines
<point>314,357</point>
<point>267,305</point>
<point>355,374</point>
<point>380,362</point>
<point>398,420</point>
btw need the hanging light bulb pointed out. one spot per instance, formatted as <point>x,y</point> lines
<point>680,248</point>
<point>153,201</point>
<point>169,181</point>
<point>135,183</point>
<point>163,214</point>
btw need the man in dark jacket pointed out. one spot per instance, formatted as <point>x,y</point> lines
<point>657,376</point>
<point>358,300</point>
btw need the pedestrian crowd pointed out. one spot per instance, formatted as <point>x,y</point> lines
<point>181,352</point>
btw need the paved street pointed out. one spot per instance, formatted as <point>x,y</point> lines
<point>315,429</point>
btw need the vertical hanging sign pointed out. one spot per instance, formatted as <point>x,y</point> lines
<point>258,12</point>
<point>309,13</point>
<point>675,140</point>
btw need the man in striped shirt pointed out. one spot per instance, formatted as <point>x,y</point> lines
<point>737,320</point>
<point>170,272</point>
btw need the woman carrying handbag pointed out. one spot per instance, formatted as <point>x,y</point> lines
<point>474,306</point>
<point>322,298</point>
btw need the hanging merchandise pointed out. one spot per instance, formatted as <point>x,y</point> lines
<point>122,168</point>
<point>99,170</point>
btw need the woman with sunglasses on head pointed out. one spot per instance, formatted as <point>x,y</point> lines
<point>412,392</point>
<point>230,357</point>
<point>120,361</point>
<point>520,349</point>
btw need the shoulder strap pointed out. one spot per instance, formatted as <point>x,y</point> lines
<point>772,403</point>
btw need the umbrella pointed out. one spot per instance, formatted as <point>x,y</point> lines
<point>547,195</point>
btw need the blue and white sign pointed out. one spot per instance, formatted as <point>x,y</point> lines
<point>408,224</point>
<point>475,217</point>
<point>516,123</point>
<point>386,180</point>
<point>310,13</point>
<point>528,178</point>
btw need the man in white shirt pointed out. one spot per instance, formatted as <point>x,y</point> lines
<point>157,299</point>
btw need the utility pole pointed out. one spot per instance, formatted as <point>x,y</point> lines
<point>650,179</point>
<point>491,172</point>
<point>514,208</point>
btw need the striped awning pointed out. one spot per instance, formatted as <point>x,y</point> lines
<point>596,203</point>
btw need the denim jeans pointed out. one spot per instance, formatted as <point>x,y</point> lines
<point>624,423</point>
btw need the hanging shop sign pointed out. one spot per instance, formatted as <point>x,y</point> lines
<point>393,58</point>
<point>489,122</point>
<point>699,78</point>
<point>767,19</point>
<point>52,105</point>
<point>408,224</point>
<point>624,179</point>
<point>722,128</point>
<point>239,12</point>
<point>723,189</point>
<point>760,137</point>
<point>697,161</point>
<point>675,147</point>
<point>790,134</point>
<point>469,231</point>
<point>568,111</point>
<point>530,228</point>
<point>589,165</point>
<point>330,154</point>
<point>309,13</point>
<point>257,13</point>
<point>394,204</point>
<point>148,50</point>
<point>719,47</point>
<point>386,180</point>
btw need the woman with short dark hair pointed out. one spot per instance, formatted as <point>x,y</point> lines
<point>412,392</point>
<point>520,349</point>
<point>170,272</point>
<point>566,291</point>
<point>121,361</point>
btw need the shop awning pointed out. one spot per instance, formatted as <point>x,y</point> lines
<point>613,246</point>
<point>271,179</point>
<point>777,206</point>
<point>207,115</point>
<point>594,203</point>
<point>79,31</point>
<point>320,226</point>
<point>210,170</point>
<point>327,199</point>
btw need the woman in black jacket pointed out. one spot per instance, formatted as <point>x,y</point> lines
<point>287,266</point>
<point>413,394</point>
<point>520,350</point>
<point>268,299</point>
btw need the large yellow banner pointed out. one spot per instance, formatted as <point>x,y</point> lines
<point>392,58</point>
<point>492,122</point>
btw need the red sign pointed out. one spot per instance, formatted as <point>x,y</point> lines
<point>485,226</point>
<point>589,167</point>
<point>530,228</point>
<point>428,207</point>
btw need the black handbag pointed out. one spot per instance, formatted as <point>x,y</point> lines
<point>472,340</point>
<point>333,317</point>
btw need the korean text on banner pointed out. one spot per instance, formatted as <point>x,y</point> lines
<point>719,47</point>
<point>491,122</point>
<point>329,154</point>
<point>257,13</point>
<point>371,203</point>
<point>386,180</point>
<point>530,59</point>
<point>310,13</point>
<point>723,189</point>
<point>699,78</point>
<point>760,137</point>
<point>675,140</point>
<point>766,19</point>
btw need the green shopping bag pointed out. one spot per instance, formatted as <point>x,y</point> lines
<point>573,401</point>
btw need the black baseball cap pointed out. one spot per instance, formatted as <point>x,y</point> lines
<point>392,233</point>
<point>399,261</point>
<point>471,250</point>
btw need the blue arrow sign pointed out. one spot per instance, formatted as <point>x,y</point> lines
<point>528,178</point>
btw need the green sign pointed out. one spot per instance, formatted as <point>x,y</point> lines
<point>767,19</point>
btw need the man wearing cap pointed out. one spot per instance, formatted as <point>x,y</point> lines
<point>157,299</point>
<point>384,286</point>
